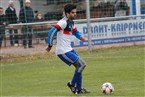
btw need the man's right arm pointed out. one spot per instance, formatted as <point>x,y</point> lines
<point>53,31</point>
<point>51,34</point>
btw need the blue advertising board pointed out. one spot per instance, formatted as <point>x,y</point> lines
<point>113,32</point>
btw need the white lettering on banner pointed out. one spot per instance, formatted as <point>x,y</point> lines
<point>113,41</point>
<point>127,26</point>
<point>115,27</point>
<point>96,29</point>
<point>110,32</point>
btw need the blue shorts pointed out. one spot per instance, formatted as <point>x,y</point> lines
<point>69,57</point>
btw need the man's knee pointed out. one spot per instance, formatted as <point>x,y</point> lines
<point>80,65</point>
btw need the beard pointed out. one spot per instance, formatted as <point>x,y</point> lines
<point>73,17</point>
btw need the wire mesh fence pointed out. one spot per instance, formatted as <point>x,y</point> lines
<point>22,21</point>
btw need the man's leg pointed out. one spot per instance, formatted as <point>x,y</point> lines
<point>2,34</point>
<point>1,41</point>
<point>11,37</point>
<point>70,58</point>
<point>24,36</point>
<point>16,39</point>
<point>80,65</point>
<point>30,37</point>
<point>30,40</point>
<point>77,78</point>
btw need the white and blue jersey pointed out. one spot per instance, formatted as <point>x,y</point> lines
<point>65,31</point>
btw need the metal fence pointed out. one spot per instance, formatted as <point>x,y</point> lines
<point>42,16</point>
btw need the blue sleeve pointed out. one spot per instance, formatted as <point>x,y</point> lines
<point>77,34</point>
<point>51,35</point>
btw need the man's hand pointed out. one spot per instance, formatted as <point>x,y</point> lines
<point>4,23</point>
<point>48,49</point>
<point>83,38</point>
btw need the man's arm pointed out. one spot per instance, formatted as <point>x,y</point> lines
<point>51,35</point>
<point>4,21</point>
<point>21,15</point>
<point>78,35</point>
<point>57,27</point>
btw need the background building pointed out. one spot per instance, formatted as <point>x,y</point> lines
<point>96,6</point>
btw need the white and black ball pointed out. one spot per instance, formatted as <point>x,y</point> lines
<point>107,88</point>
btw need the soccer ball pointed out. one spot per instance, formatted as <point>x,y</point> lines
<point>107,88</point>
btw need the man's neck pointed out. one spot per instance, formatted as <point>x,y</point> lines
<point>68,18</point>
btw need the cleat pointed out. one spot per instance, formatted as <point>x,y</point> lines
<point>83,91</point>
<point>72,88</point>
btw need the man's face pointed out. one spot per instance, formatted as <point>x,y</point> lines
<point>72,15</point>
<point>1,11</point>
<point>28,4</point>
<point>11,4</point>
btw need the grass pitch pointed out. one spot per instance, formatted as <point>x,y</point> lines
<point>123,67</point>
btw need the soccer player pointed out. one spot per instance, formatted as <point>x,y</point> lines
<point>65,29</point>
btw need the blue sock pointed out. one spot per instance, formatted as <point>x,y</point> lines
<point>74,79</point>
<point>77,80</point>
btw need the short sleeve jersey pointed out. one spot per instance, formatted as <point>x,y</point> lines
<point>64,35</point>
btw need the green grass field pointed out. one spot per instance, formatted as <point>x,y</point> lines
<point>123,67</point>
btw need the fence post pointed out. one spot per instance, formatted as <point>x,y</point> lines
<point>88,25</point>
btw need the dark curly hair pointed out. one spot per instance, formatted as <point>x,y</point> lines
<point>69,7</point>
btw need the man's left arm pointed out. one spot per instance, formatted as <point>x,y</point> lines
<point>78,35</point>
